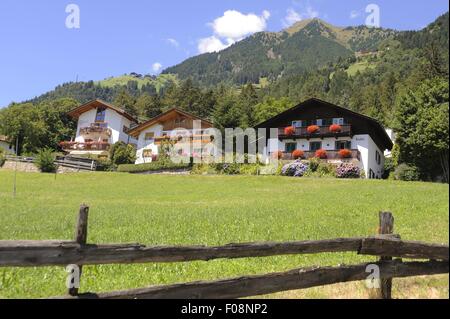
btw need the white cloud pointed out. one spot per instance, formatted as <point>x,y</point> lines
<point>173,42</point>
<point>293,16</point>
<point>231,27</point>
<point>156,67</point>
<point>210,44</point>
<point>354,14</point>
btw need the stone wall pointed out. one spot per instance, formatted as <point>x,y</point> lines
<point>31,168</point>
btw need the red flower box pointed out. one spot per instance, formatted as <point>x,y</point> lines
<point>313,129</point>
<point>298,154</point>
<point>345,153</point>
<point>290,130</point>
<point>277,155</point>
<point>335,128</point>
<point>322,154</point>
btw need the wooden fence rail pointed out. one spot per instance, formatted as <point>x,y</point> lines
<point>385,245</point>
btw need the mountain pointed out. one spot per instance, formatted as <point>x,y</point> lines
<point>305,46</point>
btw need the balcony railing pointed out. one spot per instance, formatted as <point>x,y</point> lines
<point>88,146</point>
<point>323,131</point>
<point>331,155</point>
<point>101,128</point>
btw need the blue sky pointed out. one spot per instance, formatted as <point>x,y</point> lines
<point>38,51</point>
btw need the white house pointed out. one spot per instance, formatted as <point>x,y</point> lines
<point>100,125</point>
<point>7,144</point>
<point>173,124</point>
<point>340,134</point>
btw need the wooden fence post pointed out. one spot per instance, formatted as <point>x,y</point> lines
<point>386,227</point>
<point>80,237</point>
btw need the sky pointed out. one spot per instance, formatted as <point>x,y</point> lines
<point>44,43</point>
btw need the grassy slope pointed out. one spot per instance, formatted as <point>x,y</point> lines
<point>159,82</point>
<point>209,210</point>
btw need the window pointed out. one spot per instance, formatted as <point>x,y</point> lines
<point>100,116</point>
<point>377,157</point>
<point>340,145</point>
<point>125,129</point>
<point>290,147</point>
<point>297,123</point>
<point>339,121</point>
<point>149,136</point>
<point>314,146</point>
<point>319,122</point>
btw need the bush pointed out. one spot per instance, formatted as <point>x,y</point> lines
<point>389,168</point>
<point>404,172</point>
<point>45,161</point>
<point>249,169</point>
<point>277,155</point>
<point>2,157</point>
<point>149,167</point>
<point>314,164</point>
<point>348,170</point>
<point>121,153</point>
<point>326,170</point>
<point>105,165</point>
<point>296,169</point>
<point>322,154</point>
<point>298,154</point>
<point>203,169</point>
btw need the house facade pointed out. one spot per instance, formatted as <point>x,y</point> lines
<point>7,144</point>
<point>174,125</point>
<point>317,128</point>
<point>100,125</point>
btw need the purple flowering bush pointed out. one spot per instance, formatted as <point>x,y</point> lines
<point>296,169</point>
<point>348,170</point>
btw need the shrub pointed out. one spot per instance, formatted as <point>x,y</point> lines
<point>121,153</point>
<point>389,168</point>
<point>277,155</point>
<point>296,169</point>
<point>404,172</point>
<point>249,169</point>
<point>326,169</point>
<point>322,154</point>
<point>203,169</point>
<point>298,154</point>
<point>151,167</point>
<point>45,161</point>
<point>312,129</point>
<point>105,165</point>
<point>290,130</point>
<point>348,170</point>
<point>345,153</point>
<point>228,168</point>
<point>2,157</point>
<point>314,164</point>
<point>335,128</point>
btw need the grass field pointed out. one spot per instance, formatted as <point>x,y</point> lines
<point>212,210</point>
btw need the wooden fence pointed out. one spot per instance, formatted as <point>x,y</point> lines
<point>82,164</point>
<point>385,245</point>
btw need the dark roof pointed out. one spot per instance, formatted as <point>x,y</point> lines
<point>75,113</point>
<point>365,123</point>
<point>137,129</point>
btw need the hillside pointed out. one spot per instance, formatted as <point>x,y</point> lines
<point>305,46</point>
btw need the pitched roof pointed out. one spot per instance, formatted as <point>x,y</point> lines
<point>382,137</point>
<point>137,129</point>
<point>75,113</point>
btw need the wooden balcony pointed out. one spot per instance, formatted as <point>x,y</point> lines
<point>99,128</point>
<point>324,131</point>
<point>88,146</point>
<point>331,155</point>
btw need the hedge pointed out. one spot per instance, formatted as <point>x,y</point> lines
<point>149,167</point>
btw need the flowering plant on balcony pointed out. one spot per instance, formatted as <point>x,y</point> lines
<point>322,154</point>
<point>313,129</point>
<point>296,169</point>
<point>348,170</point>
<point>290,130</point>
<point>335,128</point>
<point>277,155</point>
<point>345,153</point>
<point>298,154</point>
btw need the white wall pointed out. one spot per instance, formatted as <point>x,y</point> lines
<point>328,143</point>
<point>8,148</point>
<point>142,144</point>
<point>85,120</point>
<point>368,149</point>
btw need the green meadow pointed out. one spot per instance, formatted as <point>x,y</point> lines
<point>213,210</point>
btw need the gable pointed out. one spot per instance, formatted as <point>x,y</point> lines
<point>75,113</point>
